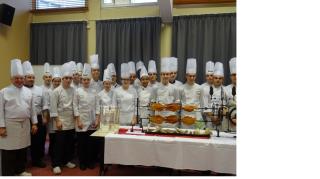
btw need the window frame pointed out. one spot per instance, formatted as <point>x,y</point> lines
<point>78,9</point>
<point>107,5</point>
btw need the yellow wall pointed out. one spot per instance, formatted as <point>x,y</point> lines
<point>14,40</point>
<point>97,13</point>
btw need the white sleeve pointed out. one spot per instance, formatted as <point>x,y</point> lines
<point>34,119</point>
<point>98,103</point>
<point>46,100</point>
<point>75,103</point>
<point>2,106</point>
<point>54,104</point>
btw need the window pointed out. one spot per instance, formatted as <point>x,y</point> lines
<point>111,3</point>
<point>40,5</point>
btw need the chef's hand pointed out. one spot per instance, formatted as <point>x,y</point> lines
<point>96,122</point>
<point>79,123</point>
<point>58,124</point>
<point>34,129</point>
<point>3,132</point>
<point>45,117</point>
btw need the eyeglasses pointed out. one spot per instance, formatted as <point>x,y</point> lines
<point>67,78</point>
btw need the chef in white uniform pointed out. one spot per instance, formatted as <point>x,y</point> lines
<point>37,140</point>
<point>56,81</point>
<point>144,94</point>
<point>84,109</point>
<point>152,72</point>
<point>232,87</point>
<point>95,83</point>
<point>125,98</point>
<point>137,82</point>
<point>133,76</point>
<point>165,92</point>
<point>17,109</point>
<point>219,98</point>
<point>47,77</point>
<point>104,98</point>
<point>75,76</point>
<point>174,71</point>
<point>206,98</point>
<point>61,110</point>
<point>112,70</point>
<point>190,94</point>
<point>76,82</point>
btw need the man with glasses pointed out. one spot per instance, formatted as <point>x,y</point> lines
<point>17,109</point>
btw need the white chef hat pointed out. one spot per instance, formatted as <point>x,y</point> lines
<point>73,66</point>
<point>143,71</point>
<point>191,66</point>
<point>209,67</point>
<point>165,65</point>
<point>46,69</point>
<point>56,73</point>
<point>94,61</point>
<point>125,70</point>
<point>66,69</point>
<point>112,69</point>
<point>79,67</point>
<point>132,68</point>
<point>173,64</point>
<point>218,69</point>
<point>152,68</point>
<point>27,68</point>
<point>232,65</point>
<point>107,75</point>
<point>86,72</point>
<point>16,68</point>
<point>139,65</point>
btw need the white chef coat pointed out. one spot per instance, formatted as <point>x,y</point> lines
<point>191,95</point>
<point>216,100</point>
<point>38,95</point>
<point>104,98</point>
<point>84,105</point>
<point>75,86</point>
<point>61,105</point>
<point>96,86</point>
<point>46,105</point>
<point>232,102</point>
<point>144,94</point>
<point>166,94</point>
<point>154,85</point>
<point>16,109</point>
<point>136,83</point>
<point>125,100</point>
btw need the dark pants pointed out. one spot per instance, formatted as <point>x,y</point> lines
<point>38,141</point>
<point>52,140</point>
<point>63,147</point>
<point>13,161</point>
<point>94,141</point>
<point>86,148</point>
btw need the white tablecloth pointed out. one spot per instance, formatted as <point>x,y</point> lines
<point>215,154</point>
